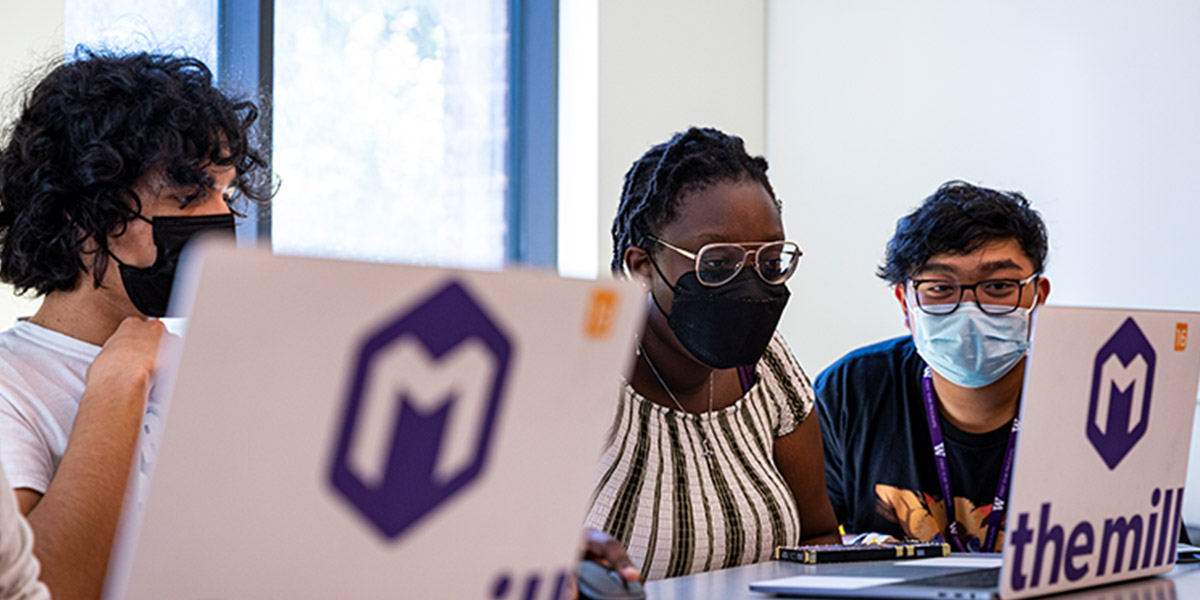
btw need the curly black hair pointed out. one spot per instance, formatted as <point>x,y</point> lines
<point>961,218</point>
<point>689,162</point>
<point>87,132</point>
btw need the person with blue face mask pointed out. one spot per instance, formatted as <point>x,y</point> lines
<point>920,430</point>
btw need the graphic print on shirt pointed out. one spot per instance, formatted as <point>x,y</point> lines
<point>423,401</point>
<point>923,517</point>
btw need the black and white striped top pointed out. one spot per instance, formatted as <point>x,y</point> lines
<point>674,514</point>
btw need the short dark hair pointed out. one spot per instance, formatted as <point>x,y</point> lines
<point>690,161</point>
<point>961,218</point>
<point>86,133</point>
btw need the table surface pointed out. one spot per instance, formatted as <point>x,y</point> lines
<point>731,584</point>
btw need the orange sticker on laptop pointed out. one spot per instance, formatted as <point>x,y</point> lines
<point>1181,334</point>
<point>601,314</point>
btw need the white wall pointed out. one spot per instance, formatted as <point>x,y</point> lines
<point>1090,107</point>
<point>31,36</point>
<point>578,138</point>
<point>864,107</point>
<point>666,65</point>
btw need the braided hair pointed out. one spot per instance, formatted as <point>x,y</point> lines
<point>691,161</point>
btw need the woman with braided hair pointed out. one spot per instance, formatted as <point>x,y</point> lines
<point>715,456</point>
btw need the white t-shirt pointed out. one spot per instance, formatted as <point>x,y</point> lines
<point>18,567</point>
<point>42,378</point>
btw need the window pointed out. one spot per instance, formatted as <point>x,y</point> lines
<point>396,135</point>
<point>186,26</point>
<point>390,130</point>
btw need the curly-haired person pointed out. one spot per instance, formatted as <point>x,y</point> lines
<point>113,163</point>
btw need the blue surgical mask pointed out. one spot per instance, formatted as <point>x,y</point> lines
<point>969,347</point>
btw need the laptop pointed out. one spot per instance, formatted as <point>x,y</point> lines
<point>340,429</point>
<point>1106,421</point>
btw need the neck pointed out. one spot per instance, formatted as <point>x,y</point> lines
<point>74,314</point>
<point>687,380</point>
<point>980,410</point>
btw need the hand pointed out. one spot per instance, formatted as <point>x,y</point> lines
<point>129,356</point>
<point>602,548</point>
<point>75,521</point>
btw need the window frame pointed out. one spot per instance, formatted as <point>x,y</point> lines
<point>245,59</point>
<point>533,133</point>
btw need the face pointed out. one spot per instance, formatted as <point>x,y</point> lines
<point>734,212</point>
<point>1000,259</point>
<point>135,245</point>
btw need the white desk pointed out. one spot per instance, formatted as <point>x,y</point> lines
<point>731,584</point>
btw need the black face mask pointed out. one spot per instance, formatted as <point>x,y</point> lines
<point>725,326</point>
<point>149,288</point>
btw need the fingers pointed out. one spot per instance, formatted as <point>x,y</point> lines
<point>141,325</point>
<point>137,333</point>
<point>130,353</point>
<point>604,549</point>
<point>572,586</point>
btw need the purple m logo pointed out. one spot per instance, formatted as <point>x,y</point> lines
<point>420,410</point>
<point>1122,382</point>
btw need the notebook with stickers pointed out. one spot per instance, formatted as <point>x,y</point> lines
<point>1105,426</point>
<point>343,429</point>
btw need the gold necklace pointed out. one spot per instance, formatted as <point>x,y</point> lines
<point>708,451</point>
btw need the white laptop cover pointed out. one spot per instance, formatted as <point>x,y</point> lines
<point>1102,458</point>
<point>354,430</point>
<point>1106,421</point>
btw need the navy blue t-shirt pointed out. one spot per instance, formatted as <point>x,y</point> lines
<point>879,464</point>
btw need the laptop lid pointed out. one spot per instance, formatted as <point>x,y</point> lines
<point>1105,422</point>
<point>342,429</point>
<point>1102,460</point>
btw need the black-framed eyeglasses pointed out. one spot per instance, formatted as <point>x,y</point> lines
<point>718,263</point>
<point>992,296</point>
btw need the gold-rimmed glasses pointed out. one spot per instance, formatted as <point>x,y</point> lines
<point>719,262</point>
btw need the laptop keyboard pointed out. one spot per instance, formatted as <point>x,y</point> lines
<point>979,579</point>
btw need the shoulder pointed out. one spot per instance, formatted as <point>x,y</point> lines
<point>785,387</point>
<point>890,362</point>
<point>39,355</point>
<point>779,366</point>
<point>41,383</point>
<point>12,342</point>
<point>778,350</point>
<point>897,354</point>
<point>21,365</point>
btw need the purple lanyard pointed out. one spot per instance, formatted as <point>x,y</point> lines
<point>996,517</point>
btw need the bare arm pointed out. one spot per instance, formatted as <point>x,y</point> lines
<point>800,457</point>
<point>75,520</point>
